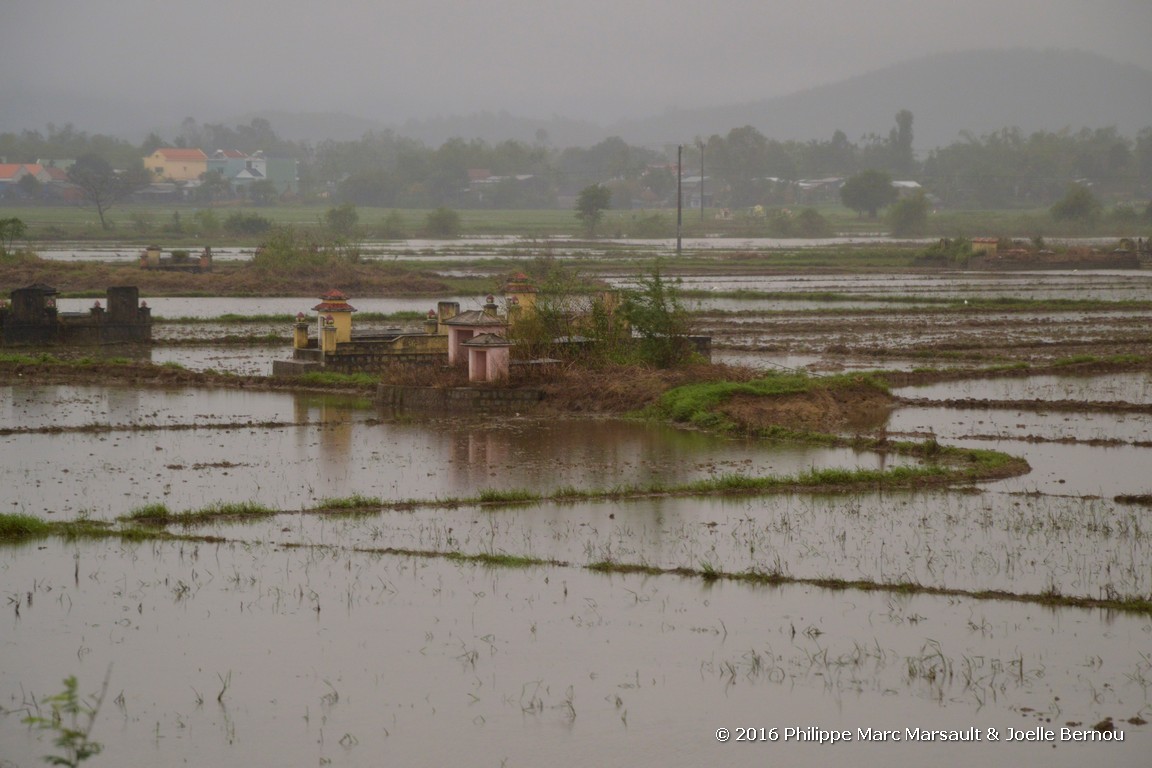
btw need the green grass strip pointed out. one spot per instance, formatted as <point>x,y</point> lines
<point>696,404</point>
<point>159,514</point>
<point>355,501</point>
<point>1049,597</point>
<point>17,527</point>
<point>508,496</point>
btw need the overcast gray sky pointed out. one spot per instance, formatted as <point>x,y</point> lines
<point>590,59</point>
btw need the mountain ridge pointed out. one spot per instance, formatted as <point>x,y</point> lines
<point>973,91</point>
<point>1001,88</point>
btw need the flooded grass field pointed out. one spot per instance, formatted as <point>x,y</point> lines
<point>258,654</point>
<point>430,591</point>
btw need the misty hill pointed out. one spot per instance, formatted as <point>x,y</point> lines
<point>308,126</point>
<point>974,91</point>
<point>949,93</point>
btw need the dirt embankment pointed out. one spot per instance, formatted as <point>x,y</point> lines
<point>610,390</point>
<point>859,408</point>
<point>367,279</point>
<point>622,389</point>
<point>126,374</point>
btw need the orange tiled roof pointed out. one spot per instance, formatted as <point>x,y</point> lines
<point>8,171</point>
<point>334,301</point>
<point>175,153</point>
<point>333,306</point>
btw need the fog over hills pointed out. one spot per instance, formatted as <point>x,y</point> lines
<point>975,91</point>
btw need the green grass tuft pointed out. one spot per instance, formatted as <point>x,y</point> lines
<point>232,509</point>
<point>508,496</point>
<point>570,493</point>
<point>355,501</point>
<point>14,527</point>
<point>159,514</point>
<point>499,561</point>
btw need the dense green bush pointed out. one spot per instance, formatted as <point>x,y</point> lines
<point>1078,204</point>
<point>240,223</point>
<point>909,216</point>
<point>811,223</point>
<point>660,320</point>
<point>342,219</point>
<point>393,227</point>
<point>286,250</point>
<point>948,252</point>
<point>442,222</point>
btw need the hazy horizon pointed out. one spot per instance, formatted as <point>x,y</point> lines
<point>598,61</point>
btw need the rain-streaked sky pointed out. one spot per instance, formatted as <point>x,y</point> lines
<point>595,60</point>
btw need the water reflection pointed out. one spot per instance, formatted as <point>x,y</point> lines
<point>292,450</point>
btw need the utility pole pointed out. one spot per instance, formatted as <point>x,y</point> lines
<point>679,194</point>
<point>701,143</point>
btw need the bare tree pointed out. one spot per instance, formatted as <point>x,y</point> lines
<point>102,185</point>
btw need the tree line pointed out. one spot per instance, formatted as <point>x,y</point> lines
<point>743,168</point>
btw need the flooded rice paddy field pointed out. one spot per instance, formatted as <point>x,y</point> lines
<point>937,337</point>
<point>486,247</point>
<point>505,634</point>
<point>1039,425</point>
<point>976,542</point>
<point>186,448</point>
<point>1133,388</point>
<point>1114,285</point>
<point>810,333</point>
<point>252,653</point>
